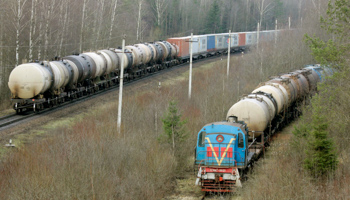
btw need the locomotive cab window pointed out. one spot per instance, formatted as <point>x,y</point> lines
<point>240,140</point>
<point>201,139</point>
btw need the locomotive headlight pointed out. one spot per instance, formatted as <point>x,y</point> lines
<point>220,138</point>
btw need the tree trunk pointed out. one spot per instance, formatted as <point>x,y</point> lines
<point>99,21</point>
<point>18,24</point>
<point>47,28</point>
<point>82,27</point>
<point>40,41</point>
<point>64,28</point>
<point>112,21</point>
<point>31,31</point>
<point>139,21</point>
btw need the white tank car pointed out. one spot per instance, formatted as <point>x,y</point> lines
<point>100,61</point>
<point>29,80</point>
<point>112,59</point>
<point>153,51</point>
<point>255,111</point>
<point>146,52</point>
<point>277,94</point>
<point>61,75</point>
<point>137,55</point>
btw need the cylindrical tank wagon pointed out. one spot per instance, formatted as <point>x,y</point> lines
<point>76,75</point>
<point>275,100</point>
<point>37,85</point>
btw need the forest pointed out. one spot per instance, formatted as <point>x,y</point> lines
<point>42,30</point>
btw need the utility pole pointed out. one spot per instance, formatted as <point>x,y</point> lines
<point>190,78</point>
<point>228,52</point>
<point>121,78</point>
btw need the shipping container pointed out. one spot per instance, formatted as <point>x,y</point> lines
<point>183,44</point>
<point>195,46</point>
<point>234,40</point>
<point>242,38</point>
<point>250,38</point>
<point>219,39</point>
<point>202,44</point>
<point>211,43</point>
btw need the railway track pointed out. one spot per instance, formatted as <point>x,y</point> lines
<point>12,120</point>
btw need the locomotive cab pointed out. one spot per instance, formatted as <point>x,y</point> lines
<point>221,153</point>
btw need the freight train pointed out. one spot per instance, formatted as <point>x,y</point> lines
<point>226,150</point>
<point>38,85</point>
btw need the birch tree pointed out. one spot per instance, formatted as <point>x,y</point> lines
<point>17,10</point>
<point>64,28</point>
<point>99,22</point>
<point>139,18</point>
<point>263,7</point>
<point>82,26</point>
<point>112,20</point>
<point>31,31</point>
<point>159,7</point>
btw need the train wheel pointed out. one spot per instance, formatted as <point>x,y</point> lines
<point>18,111</point>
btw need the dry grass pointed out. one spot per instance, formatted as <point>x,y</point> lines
<point>91,161</point>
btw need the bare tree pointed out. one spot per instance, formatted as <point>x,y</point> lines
<point>31,31</point>
<point>82,26</point>
<point>17,10</point>
<point>139,20</point>
<point>263,7</point>
<point>64,28</point>
<point>159,7</point>
<point>112,20</point>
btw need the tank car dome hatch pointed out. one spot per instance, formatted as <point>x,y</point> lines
<point>29,80</point>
